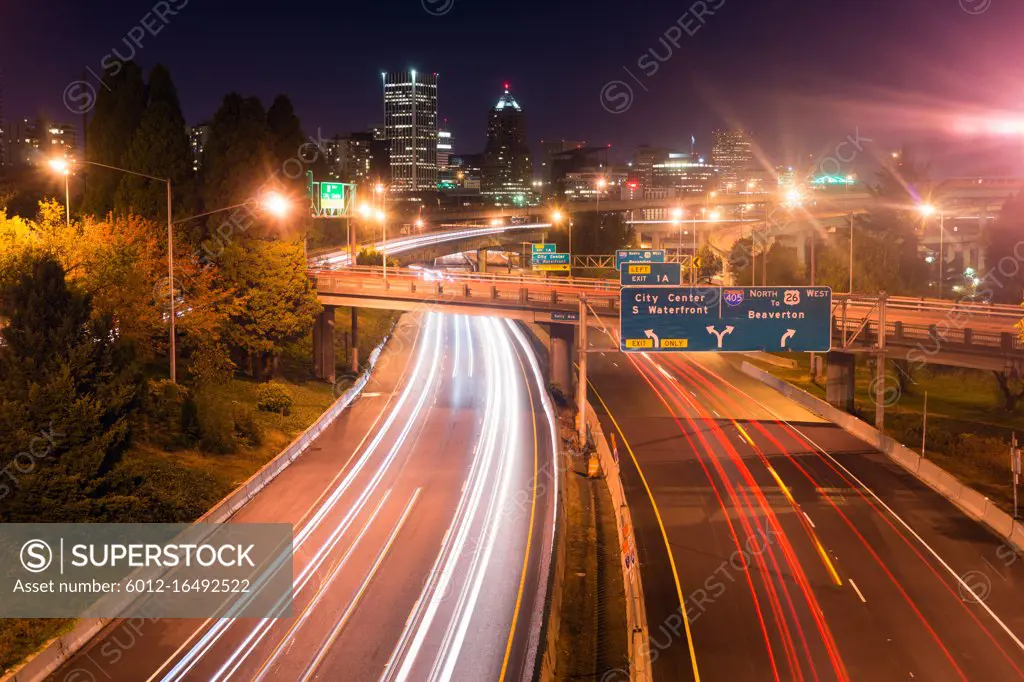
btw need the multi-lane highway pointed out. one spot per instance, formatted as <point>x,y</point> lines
<point>798,552</point>
<point>423,531</point>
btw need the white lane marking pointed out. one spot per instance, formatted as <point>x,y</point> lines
<point>809,520</point>
<point>993,567</point>
<point>963,585</point>
<point>857,590</point>
<point>340,625</point>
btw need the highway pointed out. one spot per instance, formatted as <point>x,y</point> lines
<point>799,552</point>
<point>423,531</point>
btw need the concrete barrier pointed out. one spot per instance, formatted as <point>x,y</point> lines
<point>636,611</point>
<point>970,501</point>
<point>973,502</point>
<point>939,479</point>
<point>60,649</point>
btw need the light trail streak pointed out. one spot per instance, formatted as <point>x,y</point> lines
<point>217,630</point>
<point>321,591</point>
<point>340,625</point>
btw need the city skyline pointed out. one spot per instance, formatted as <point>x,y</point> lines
<point>732,84</point>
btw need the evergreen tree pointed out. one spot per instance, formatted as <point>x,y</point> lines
<point>237,158</point>
<point>68,387</point>
<point>119,108</point>
<point>285,132</point>
<point>160,148</point>
<point>275,302</point>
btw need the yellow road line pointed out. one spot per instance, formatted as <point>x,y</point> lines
<point>661,526</point>
<point>529,535</point>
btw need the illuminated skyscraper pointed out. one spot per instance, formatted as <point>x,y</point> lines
<point>507,166</point>
<point>444,148</point>
<point>733,155</point>
<point>410,127</point>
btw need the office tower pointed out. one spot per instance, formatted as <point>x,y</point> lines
<point>410,128</point>
<point>198,136</point>
<point>445,143</point>
<point>507,167</point>
<point>733,155</point>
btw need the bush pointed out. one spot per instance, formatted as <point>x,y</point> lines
<point>274,397</point>
<point>247,429</point>
<point>216,424</point>
<point>164,413</point>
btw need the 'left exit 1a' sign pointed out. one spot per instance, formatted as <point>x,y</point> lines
<point>647,274</point>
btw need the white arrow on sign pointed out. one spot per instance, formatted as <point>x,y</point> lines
<point>720,334</point>
<point>790,333</point>
<point>649,333</point>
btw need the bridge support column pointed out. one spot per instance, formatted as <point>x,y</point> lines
<point>481,260</point>
<point>839,380</point>
<point>323,345</point>
<point>801,248</point>
<point>355,340</point>
<point>560,372</point>
<point>655,240</point>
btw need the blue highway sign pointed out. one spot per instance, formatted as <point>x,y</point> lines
<point>646,274</point>
<point>725,319</point>
<point>638,256</point>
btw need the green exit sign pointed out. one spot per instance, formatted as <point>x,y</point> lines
<point>332,190</point>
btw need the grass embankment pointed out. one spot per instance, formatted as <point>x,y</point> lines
<point>969,429</point>
<point>184,483</point>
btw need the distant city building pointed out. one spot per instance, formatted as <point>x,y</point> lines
<point>548,149</point>
<point>733,155</point>
<point>445,143</point>
<point>356,157</point>
<point>507,170</point>
<point>198,136</point>
<point>644,160</point>
<point>683,174</point>
<point>468,171</point>
<point>575,161</point>
<point>587,185</point>
<point>410,128</point>
<point>35,142</point>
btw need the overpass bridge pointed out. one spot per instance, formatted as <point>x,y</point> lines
<point>918,331</point>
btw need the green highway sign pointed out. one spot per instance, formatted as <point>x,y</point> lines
<point>332,195</point>
<point>544,248</point>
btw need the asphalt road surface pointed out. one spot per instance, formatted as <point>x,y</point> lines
<point>423,531</point>
<point>798,552</point>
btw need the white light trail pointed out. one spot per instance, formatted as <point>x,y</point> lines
<point>424,358</point>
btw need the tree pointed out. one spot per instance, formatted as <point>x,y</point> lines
<point>68,387</point>
<point>119,108</point>
<point>893,224</point>
<point>1004,282</point>
<point>237,157</point>
<point>275,303</point>
<point>710,263</point>
<point>285,132</point>
<point>160,148</point>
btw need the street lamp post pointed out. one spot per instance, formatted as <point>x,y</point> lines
<point>599,187</point>
<point>851,253</point>
<point>170,241</point>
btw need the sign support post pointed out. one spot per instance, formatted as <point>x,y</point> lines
<point>880,366</point>
<point>581,383</point>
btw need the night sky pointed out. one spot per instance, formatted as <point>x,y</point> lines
<point>802,74</point>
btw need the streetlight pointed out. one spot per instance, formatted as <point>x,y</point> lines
<point>61,166</point>
<point>928,210</point>
<point>556,219</point>
<point>170,239</point>
<point>600,184</point>
<point>677,219</point>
